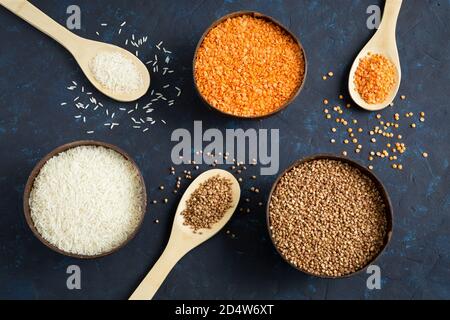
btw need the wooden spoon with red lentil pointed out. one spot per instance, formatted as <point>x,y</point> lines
<point>376,73</point>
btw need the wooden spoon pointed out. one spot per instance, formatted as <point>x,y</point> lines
<point>183,239</point>
<point>383,42</point>
<point>83,50</point>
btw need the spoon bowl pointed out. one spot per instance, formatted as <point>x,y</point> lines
<point>199,237</point>
<point>182,238</point>
<point>383,42</point>
<point>88,49</point>
<point>83,50</point>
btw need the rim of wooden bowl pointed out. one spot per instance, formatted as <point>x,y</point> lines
<point>259,15</point>
<point>37,169</point>
<point>365,171</point>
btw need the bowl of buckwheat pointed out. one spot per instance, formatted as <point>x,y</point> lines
<point>329,216</point>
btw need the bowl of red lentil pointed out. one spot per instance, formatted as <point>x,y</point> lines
<point>248,65</point>
<point>329,216</point>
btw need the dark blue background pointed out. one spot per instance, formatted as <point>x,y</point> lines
<point>34,71</point>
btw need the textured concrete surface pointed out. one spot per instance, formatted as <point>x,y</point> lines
<point>34,72</point>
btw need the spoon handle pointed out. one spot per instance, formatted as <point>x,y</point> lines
<point>40,21</point>
<point>158,274</point>
<point>390,15</point>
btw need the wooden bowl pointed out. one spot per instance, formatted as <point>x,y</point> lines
<point>260,16</point>
<point>37,169</point>
<point>365,171</point>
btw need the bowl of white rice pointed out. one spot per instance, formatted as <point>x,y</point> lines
<point>85,199</point>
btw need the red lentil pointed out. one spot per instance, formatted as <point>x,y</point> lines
<point>248,66</point>
<point>375,78</point>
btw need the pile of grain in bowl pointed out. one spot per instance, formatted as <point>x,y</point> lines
<point>87,200</point>
<point>327,218</point>
<point>116,72</point>
<point>248,66</point>
<point>208,204</point>
<point>375,78</point>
